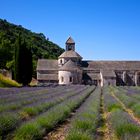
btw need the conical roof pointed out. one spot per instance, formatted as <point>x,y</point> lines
<point>70,41</point>
<point>70,54</point>
<point>70,65</point>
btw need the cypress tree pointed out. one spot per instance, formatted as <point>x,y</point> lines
<point>23,62</point>
<point>16,64</point>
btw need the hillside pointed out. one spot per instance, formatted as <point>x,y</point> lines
<point>41,46</point>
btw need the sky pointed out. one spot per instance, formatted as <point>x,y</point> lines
<point>101,29</point>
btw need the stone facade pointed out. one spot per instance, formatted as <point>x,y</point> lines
<point>71,69</point>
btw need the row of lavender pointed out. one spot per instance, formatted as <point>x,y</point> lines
<point>26,100</point>
<point>36,128</point>
<point>130,97</point>
<point>120,122</point>
<point>85,122</point>
<point>11,119</point>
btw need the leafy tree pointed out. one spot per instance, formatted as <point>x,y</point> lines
<point>5,54</point>
<point>41,46</point>
<point>23,62</point>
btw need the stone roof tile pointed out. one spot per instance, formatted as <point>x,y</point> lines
<point>111,65</point>
<point>45,64</point>
<point>70,54</point>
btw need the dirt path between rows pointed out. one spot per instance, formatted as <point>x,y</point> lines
<point>129,111</point>
<point>109,133</point>
<point>104,131</point>
<point>59,133</point>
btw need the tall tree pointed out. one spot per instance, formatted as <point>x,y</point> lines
<point>23,62</point>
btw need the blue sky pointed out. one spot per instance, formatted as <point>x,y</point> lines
<point>102,29</point>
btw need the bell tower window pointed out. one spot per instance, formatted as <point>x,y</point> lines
<point>69,48</point>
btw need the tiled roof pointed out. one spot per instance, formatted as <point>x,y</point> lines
<point>111,65</point>
<point>70,54</point>
<point>45,64</point>
<point>94,76</point>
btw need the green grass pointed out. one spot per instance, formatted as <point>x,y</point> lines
<point>6,82</point>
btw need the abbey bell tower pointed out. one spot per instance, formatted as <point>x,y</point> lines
<point>70,44</point>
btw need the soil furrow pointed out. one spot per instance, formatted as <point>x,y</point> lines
<point>60,132</point>
<point>109,133</point>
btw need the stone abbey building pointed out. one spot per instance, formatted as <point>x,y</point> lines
<point>71,69</point>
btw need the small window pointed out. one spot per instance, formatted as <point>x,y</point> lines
<point>62,79</point>
<point>70,79</point>
<point>61,61</point>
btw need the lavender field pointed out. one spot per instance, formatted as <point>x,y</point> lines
<point>75,112</point>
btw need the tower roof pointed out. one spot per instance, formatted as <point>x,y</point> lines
<point>70,41</point>
<point>70,65</point>
<point>70,54</point>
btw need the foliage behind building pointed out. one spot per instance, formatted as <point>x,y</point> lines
<point>40,46</point>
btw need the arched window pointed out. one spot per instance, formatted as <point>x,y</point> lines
<point>61,61</point>
<point>62,79</point>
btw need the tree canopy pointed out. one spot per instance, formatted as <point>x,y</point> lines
<point>40,45</point>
